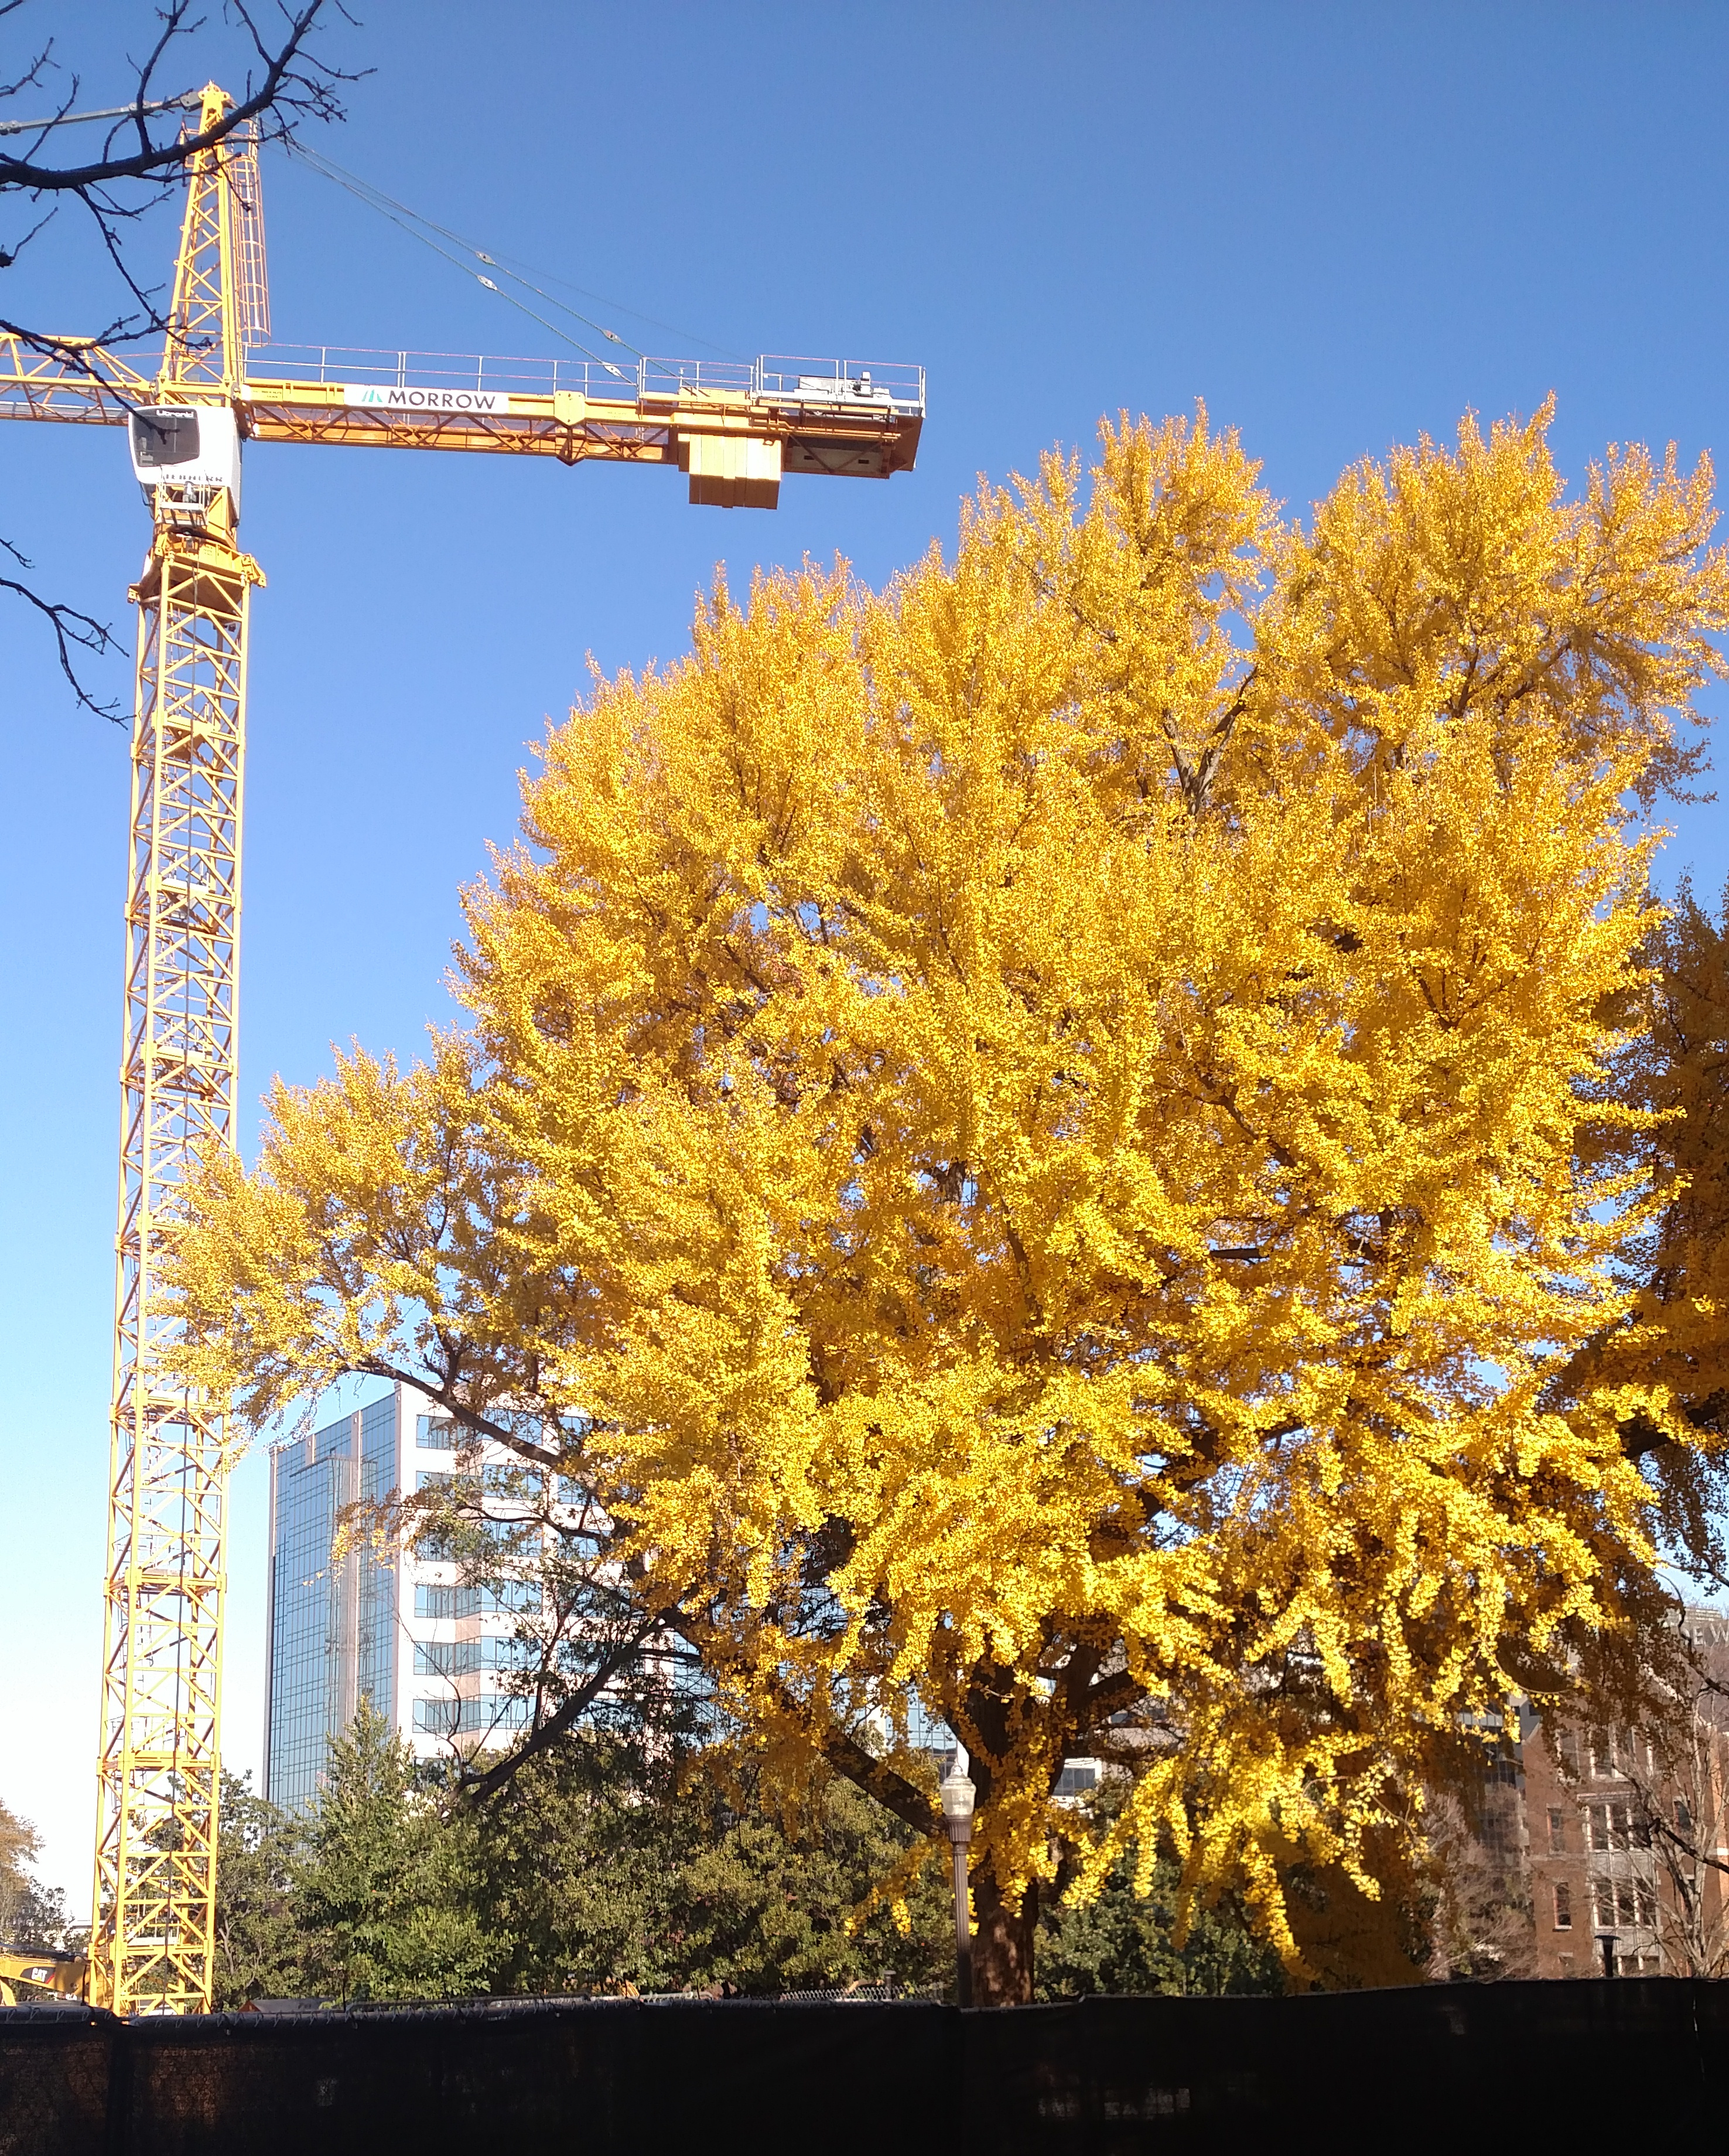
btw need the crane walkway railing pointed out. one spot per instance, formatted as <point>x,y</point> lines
<point>777,379</point>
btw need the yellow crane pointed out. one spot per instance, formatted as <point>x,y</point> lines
<point>735,429</point>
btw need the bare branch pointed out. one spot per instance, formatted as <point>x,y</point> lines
<point>70,628</point>
<point>289,84</point>
<point>307,88</point>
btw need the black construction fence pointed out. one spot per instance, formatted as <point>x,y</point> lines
<point>1633,2063</point>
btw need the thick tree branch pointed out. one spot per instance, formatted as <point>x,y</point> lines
<point>894,1792</point>
<point>1106,1696</point>
<point>153,158</point>
<point>476,1788</point>
<point>845,1755</point>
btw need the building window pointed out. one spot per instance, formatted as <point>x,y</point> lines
<point>1626,1904</point>
<point>513,1597</point>
<point>1683,1816</point>
<point>1077,1778</point>
<point>1619,1751</point>
<point>468,1718</point>
<point>1563,1904</point>
<point>441,1478</point>
<point>1610,1826</point>
<point>434,1433</point>
<point>461,1658</point>
<point>1558,1832</point>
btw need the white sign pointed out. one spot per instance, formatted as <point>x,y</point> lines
<point>395,399</point>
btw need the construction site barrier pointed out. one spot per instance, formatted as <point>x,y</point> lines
<point>1440,2066</point>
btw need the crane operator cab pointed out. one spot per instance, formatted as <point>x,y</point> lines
<point>184,456</point>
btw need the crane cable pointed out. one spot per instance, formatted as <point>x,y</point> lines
<point>411,222</point>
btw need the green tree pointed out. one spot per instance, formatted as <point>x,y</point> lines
<point>1125,1942</point>
<point>608,1862</point>
<point>620,1859</point>
<point>382,1888</point>
<point>30,1914</point>
<point>258,1948</point>
<point>575,1864</point>
<point>19,1842</point>
<point>1126,1939</point>
<point>769,1903</point>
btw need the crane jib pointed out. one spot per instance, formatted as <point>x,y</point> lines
<point>411,396</point>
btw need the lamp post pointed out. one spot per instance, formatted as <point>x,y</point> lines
<point>958,1794</point>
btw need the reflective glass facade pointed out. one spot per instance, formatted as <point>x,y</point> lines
<point>436,1655</point>
<point>486,1715</point>
<point>332,1623</point>
<point>308,1484</point>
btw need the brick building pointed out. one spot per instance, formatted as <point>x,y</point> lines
<point>1592,1874</point>
<point>1611,1846</point>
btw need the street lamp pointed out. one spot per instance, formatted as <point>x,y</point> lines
<point>958,1794</point>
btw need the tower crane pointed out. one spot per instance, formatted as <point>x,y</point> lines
<point>734,430</point>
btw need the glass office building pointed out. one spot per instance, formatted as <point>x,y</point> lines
<point>434,1655</point>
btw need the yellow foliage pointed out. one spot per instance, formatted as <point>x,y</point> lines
<point>1037,1114</point>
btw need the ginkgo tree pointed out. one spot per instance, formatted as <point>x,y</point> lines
<point>1020,1139</point>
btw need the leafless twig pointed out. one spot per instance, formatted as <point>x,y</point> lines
<point>145,147</point>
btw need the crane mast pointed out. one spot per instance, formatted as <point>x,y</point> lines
<point>159,1755</point>
<point>733,429</point>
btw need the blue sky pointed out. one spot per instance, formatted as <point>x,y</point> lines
<point>1341,225</point>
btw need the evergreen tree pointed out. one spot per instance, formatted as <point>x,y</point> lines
<point>604,1866</point>
<point>1123,1941</point>
<point>382,1887</point>
<point>258,1948</point>
<point>618,1860</point>
<point>577,1860</point>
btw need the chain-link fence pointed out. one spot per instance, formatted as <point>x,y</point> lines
<point>1434,2067</point>
<point>59,2074</point>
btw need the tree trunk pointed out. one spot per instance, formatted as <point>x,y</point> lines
<point>1002,1944</point>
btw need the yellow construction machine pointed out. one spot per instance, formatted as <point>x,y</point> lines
<point>32,1976</point>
